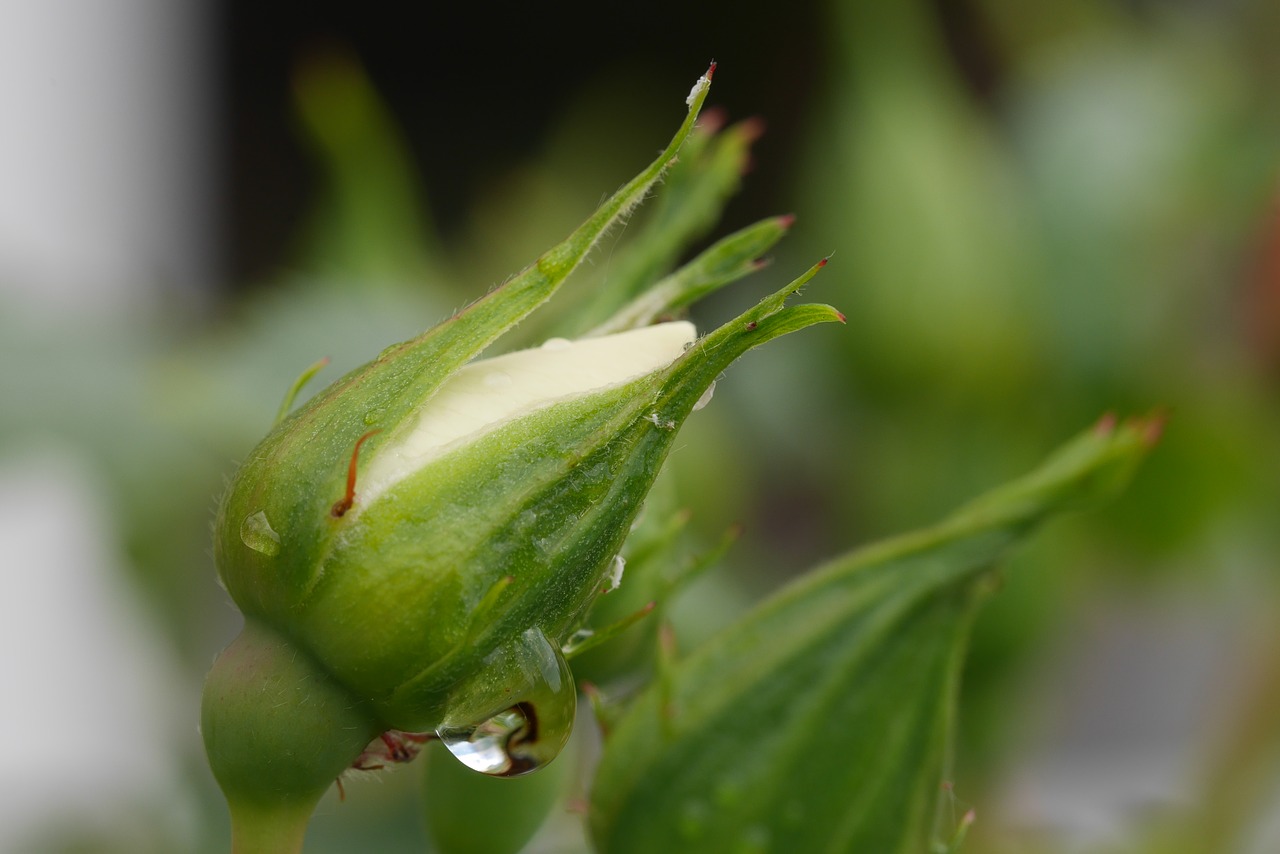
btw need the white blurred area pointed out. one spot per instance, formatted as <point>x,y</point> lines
<point>106,208</point>
<point>92,698</point>
<point>105,152</point>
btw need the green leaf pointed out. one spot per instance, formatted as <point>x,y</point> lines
<point>821,721</point>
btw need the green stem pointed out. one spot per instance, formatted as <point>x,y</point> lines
<point>271,830</point>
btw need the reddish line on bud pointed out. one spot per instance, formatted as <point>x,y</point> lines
<point>341,506</point>
<point>711,70</point>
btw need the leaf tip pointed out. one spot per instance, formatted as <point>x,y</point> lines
<point>785,221</point>
<point>752,128</point>
<point>1151,428</point>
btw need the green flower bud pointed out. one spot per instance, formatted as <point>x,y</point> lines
<point>413,547</point>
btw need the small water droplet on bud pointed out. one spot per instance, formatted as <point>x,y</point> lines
<point>256,533</point>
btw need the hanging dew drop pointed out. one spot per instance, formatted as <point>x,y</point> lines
<point>527,701</point>
<point>489,747</point>
<point>706,397</point>
<point>256,533</point>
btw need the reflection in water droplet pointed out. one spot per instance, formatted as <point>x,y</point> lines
<point>555,344</point>
<point>497,379</point>
<point>615,572</point>
<point>706,397</point>
<point>256,533</point>
<point>526,702</point>
<point>576,640</point>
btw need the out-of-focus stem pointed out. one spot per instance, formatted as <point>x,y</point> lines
<point>274,830</point>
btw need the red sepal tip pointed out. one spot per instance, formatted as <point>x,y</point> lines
<point>711,69</point>
<point>823,262</point>
<point>840,316</point>
<point>786,220</point>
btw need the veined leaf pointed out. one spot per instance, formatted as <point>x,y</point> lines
<point>821,721</point>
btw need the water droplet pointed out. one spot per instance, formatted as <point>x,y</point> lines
<point>556,344</point>
<point>497,379</point>
<point>371,417</point>
<point>615,572</point>
<point>256,533</point>
<point>706,397</point>
<point>576,640</point>
<point>526,702</point>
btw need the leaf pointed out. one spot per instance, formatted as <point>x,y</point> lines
<point>821,721</point>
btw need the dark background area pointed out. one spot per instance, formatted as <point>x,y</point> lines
<point>526,69</point>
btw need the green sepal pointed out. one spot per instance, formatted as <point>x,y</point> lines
<point>795,729</point>
<point>694,193</point>
<point>298,471</point>
<point>721,264</point>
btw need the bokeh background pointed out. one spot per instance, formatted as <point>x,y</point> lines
<point>1038,213</point>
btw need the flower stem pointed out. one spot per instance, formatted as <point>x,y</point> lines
<point>270,830</point>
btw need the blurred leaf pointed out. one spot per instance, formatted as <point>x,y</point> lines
<point>822,720</point>
<point>471,813</point>
<point>370,226</point>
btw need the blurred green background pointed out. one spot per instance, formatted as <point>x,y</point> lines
<point>1037,213</point>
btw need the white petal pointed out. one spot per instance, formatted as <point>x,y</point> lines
<point>490,392</point>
